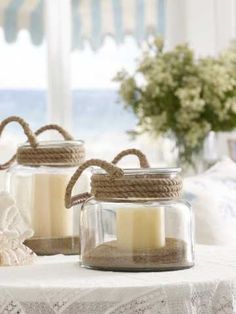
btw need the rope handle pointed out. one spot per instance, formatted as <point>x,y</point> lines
<point>31,136</point>
<point>132,151</point>
<point>25,126</point>
<point>112,170</point>
<point>28,132</point>
<point>66,135</point>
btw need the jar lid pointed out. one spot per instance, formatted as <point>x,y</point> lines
<point>52,153</point>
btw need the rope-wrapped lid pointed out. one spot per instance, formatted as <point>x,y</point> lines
<point>115,183</point>
<point>66,152</point>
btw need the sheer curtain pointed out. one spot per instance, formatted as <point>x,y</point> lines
<point>207,25</point>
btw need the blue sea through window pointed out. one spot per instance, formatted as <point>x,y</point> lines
<point>98,116</point>
<point>100,111</point>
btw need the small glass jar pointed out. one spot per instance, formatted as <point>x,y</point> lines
<point>137,233</point>
<point>39,191</point>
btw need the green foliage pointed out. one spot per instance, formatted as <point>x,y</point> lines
<point>176,93</point>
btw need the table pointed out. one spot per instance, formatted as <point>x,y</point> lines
<point>58,284</point>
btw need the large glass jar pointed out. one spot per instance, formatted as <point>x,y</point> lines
<point>39,191</point>
<point>137,233</point>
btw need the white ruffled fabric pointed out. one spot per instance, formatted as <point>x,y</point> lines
<point>13,232</point>
<point>213,198</point>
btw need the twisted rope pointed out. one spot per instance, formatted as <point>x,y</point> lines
<point>67,136</point>
<point>132,151</point>
<point>70,154</point>
<point>116,185</point>
<point>113,173</point>
<point>29,134</point>
<point>25,126</point>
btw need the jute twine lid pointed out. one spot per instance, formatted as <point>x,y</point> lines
<point>67,152</point>
<point>116,183</point>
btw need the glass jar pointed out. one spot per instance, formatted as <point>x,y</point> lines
<point>145,233</point>
<point>39,191</point>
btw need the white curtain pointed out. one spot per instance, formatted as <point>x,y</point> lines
<point>207,25</point>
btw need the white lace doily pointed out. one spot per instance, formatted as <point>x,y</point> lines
<point>59,285</point>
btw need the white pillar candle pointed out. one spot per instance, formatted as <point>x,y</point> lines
<point>140,228</point>
<point>50,218</point>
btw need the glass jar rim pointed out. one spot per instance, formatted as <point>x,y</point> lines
<point>143,171</point>
<point>53,143</point>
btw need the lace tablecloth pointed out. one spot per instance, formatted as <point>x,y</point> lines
<point>59,285</point>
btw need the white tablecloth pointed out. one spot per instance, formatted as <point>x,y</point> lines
<point>59,285</point>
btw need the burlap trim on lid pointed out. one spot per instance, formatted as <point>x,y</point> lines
<point>116,184</point>
<point>67,152</point>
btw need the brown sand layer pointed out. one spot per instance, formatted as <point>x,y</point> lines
<point>44,246</point>
<point>109,256</point>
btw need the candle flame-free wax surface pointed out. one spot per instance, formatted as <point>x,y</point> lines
<point>140,228</point>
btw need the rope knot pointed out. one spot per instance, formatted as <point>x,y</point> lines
<point>112,171</point>
<point>117,173</point>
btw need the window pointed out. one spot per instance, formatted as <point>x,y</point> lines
<point>98,114</point>
<point>60,67</point>
<point>23,81</point>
